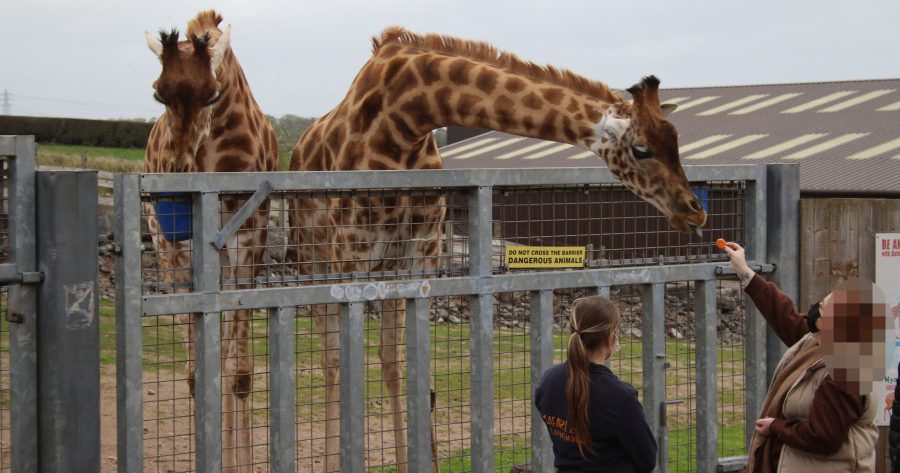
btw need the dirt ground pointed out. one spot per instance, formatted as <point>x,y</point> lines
<point>168,431</point>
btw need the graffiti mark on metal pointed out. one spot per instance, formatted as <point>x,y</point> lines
<point>381,290</point>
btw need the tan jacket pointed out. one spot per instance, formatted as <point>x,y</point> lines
<point>857,453</point>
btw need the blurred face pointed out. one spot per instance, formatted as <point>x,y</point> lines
<point>852,332</point>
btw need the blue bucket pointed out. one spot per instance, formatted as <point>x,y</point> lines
<point>173,212</point>
<point>702,193</point>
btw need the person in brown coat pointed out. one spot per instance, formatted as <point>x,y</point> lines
<point>818,415</point>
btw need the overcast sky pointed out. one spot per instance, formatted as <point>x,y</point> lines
<point>88,58</point>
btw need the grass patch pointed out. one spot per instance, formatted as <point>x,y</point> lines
<point>103,159</point>
<point>450,351</point>
<point>284,159</point>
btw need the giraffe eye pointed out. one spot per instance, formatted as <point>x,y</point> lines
<point>215,98</point>
<point>158,98</point>
<point>641,152</point>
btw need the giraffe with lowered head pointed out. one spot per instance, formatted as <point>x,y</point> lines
<point>413,84</point>
<point>212,124</point>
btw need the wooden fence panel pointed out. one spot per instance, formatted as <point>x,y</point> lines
<point>838,241</point>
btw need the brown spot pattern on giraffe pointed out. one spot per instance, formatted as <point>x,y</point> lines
<point>553,95</point>
<point>368,111</point>
<point>486,81</point>
<point>459,71</point>
<point>418,111</point>
<point>532,101</point>
<point>505,110</point>
<point>429,68</point>
<point>404,82</point>
<point>230,163</point>
<point>514,85</point>
<point>241,142</point>
<point>466,104</point>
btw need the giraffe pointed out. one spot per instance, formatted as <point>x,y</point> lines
<point>212,123</point>
<point>413,84</point>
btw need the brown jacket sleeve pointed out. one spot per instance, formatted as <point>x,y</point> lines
<point>833,411</point>
<point>778,309</point>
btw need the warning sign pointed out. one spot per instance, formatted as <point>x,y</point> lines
<point>544,257</point>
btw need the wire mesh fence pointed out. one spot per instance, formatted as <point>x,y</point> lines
<point>616,227</point>
<point>306,238</point>
<point>5,437</point>
<point>376,235</point>
<point>168,393</point>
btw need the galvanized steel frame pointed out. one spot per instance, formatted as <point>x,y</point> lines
<point>20,151</point>
<point>479,286</point>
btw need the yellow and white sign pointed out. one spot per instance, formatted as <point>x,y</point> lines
<point>519,257</point>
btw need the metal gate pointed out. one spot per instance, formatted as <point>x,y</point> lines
<point>49,366</point>
<point>18,328</point>
<point>478,335</point>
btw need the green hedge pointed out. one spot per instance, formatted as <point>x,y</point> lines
<point>76,131</point>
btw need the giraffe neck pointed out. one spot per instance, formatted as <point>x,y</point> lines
<point>423,90</point>
<point>236,96</point>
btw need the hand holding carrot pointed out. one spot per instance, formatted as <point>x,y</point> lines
<point>738,260</point>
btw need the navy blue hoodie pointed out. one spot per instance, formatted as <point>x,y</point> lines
<point>623,441</point>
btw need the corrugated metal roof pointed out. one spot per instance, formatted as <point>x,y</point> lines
<point>844,135</point>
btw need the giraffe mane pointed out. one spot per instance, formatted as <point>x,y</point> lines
<point>204,22</point>
<point>487,53</point>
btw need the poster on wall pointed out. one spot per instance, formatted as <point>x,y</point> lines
<point>887,278</point>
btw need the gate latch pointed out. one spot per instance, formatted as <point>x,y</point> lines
<point>31,277</point>
<point>662,409</point>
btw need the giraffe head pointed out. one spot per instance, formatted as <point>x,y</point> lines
<point>641,149</point>
<point>188,87</point>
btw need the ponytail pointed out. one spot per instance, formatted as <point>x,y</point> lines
<point>594,319</point>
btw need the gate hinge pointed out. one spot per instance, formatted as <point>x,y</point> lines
<point>31,277</point>
<point>14,318</point>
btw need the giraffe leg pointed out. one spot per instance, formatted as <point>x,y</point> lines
<point>393,317</point>
<point>426,251</point>
<point>328,324</point>
<point>236,388</point>
<point>244,255</point>
<point>241,387</point>
<point>229,453</point>
<point>174,262</point>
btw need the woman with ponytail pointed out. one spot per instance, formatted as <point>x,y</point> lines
<point>594,419</point>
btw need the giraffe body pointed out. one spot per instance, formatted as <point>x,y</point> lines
<point>413,84</point>
<point>212,123</point>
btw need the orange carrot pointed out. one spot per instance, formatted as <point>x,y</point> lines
<point>720,243</point>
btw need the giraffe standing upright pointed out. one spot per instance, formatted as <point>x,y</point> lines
<point>413,84</point>
<point>212,123</point>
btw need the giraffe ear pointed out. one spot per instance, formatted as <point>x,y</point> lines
<point>154,44</point>
<point>217,52</point>
<point>668,108</point>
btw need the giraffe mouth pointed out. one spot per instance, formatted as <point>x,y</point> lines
<point>696,230</point>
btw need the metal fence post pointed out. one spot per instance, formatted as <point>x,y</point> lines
<point>352,379</point>
<point>68,328</point>
<point>482,330</point>
<point>418,379</point>
<point>541,359</point>
<point>757,333</point>
<point>208,347</point>
<point>783,241</point>
<point>129,375</point>
<point>23,301</point>
<point>283,386</point>
<point>653,300</point>
<point>707,410</point>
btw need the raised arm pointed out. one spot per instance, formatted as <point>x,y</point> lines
<point>778,309</point>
